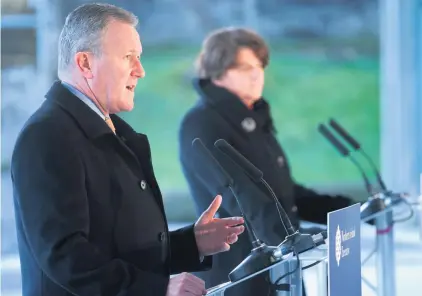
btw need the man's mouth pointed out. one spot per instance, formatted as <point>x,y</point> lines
<point>130,87</point>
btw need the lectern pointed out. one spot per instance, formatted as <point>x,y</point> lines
<point>341,251</point>
<point>286,268</point>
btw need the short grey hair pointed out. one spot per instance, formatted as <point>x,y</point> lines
<point>83,30</point>
<point>220,48</point>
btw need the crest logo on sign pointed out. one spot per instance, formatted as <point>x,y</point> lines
<point>338,245</point>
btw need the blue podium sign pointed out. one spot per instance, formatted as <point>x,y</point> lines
<point>344,265</point>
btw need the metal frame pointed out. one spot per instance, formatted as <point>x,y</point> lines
<point>18,21</point>
<point>386,267</point>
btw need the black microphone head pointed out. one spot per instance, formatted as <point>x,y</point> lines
<point>333,140</point>
<point>343,150</point>
<point>252,171</point>
<point>339,129</point>
<point>219,175</point>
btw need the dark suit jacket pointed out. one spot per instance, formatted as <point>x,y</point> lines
<point>89,212</point>
<point>219,114</point>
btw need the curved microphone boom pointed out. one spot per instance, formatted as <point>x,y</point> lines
<point>357,147</point>
<point>255,174</point>
<point>346,153</point>
<point>378,201</point>
<point>252,171</point>
<point>261,256</point>
<point>294,241</point>
<point>223,179</point>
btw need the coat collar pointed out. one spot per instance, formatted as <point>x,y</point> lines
<point>231,107</point>
<point>91,124</point>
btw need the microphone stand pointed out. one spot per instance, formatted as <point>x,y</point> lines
<point>379,209</point>
<point>294,241</point>
<point>261,256</point>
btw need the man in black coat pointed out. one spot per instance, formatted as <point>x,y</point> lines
<point>231,78</point>
<point>89,211</point>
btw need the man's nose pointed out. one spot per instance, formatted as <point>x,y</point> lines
<point>138,70</point>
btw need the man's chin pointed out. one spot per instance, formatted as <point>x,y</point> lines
<point>255,99</point>
<point>127,107</point>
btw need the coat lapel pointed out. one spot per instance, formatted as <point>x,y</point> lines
<point>137,145</point>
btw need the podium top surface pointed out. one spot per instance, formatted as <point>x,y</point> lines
<point>317,254</point>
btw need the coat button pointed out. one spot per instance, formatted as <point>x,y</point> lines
<point>294,209</point>
<point>162,236</point>
<point>248,124</point>
<point>280,161</point>
<point>143,184</point>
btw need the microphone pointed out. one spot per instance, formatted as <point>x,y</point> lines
<point>255,174</point>
<point>252,171</point>
<point>261,256</point>
<point>333,140</point>
<point>294,241</point>
<point>377,202</point>
<point>223,179</point>
<point>346,153</point>
<point>357,147</point>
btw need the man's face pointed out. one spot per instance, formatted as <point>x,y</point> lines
<point>115,72</point>
<point>246,78</point>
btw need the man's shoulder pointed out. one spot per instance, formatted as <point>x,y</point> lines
<point>48,117</point>
<point>48,123</point>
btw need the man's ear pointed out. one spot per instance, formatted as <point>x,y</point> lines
<point>83,61</point>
